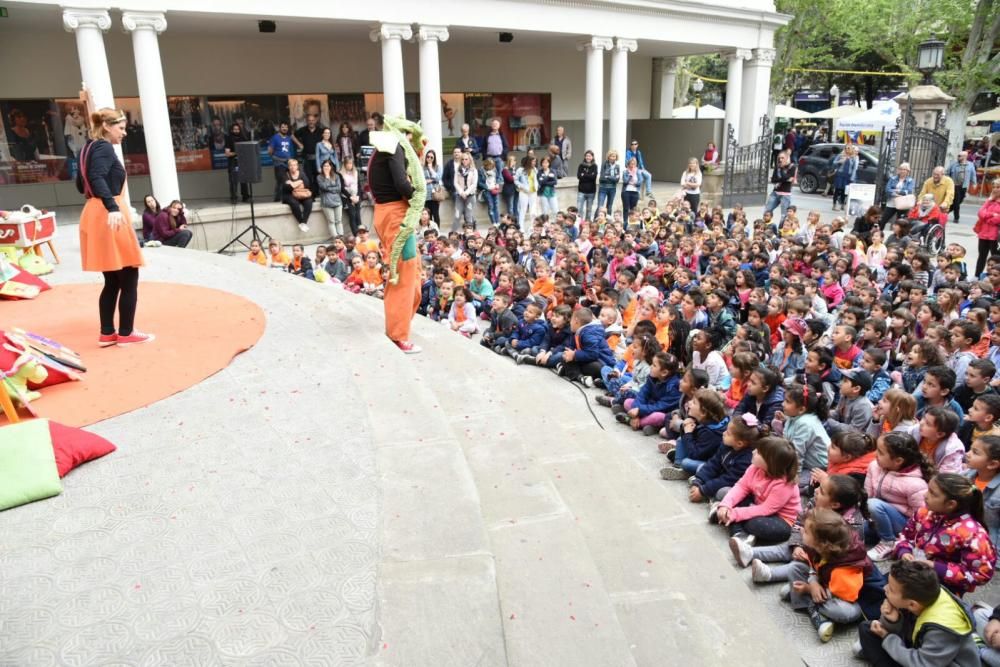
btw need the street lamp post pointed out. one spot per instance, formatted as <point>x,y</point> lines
<point>834,103</point>
<point>930,58</point>
<point>698,86</point>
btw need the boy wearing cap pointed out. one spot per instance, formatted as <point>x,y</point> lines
<point>854,410</point>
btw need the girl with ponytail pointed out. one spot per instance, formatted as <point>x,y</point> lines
<point>948,534</point>
<point>803,412</point>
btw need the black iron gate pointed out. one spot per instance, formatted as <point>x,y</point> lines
<point>747,168</point>
<point>924,148</point>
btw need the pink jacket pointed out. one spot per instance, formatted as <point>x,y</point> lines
<point>772,496</point>
<point>988,223</point>
<point>903,489</point>
<point>949,456</point>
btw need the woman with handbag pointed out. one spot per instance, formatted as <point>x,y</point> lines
<point>435,191</point>
<point>107,242</point>
<point>352,203</point>
<point>296,194</point>
<point>987,227</point>
<point>899,192</point>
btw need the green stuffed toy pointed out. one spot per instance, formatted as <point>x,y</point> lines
<point>26,369</point>
<point>394,134</point>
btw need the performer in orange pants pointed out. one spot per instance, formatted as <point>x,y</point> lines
<point>403,298</point>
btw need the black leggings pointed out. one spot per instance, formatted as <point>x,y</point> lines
<point>121,288</point>
<point>434,206</point>
<point>986,248</point>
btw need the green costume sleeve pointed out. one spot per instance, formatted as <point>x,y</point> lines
<point>405,245</point>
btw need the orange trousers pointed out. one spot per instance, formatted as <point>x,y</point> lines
<point>402,299</point>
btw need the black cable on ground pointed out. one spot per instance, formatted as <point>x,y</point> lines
<point>586,401</point>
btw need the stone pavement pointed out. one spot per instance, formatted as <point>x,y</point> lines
<point>325,500</point>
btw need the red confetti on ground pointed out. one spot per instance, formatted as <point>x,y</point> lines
<point>385,646</point>
<point>137,587</point>
<point>572,618</point>
<point>512,617</point>
<point>650,562</point>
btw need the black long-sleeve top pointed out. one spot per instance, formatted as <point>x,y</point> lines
<point>387,177</point>
<point>105,173</point>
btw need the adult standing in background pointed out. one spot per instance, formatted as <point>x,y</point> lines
<point>900,185</point>
<point>352,201</point>
<point>280,150</point>
<point>645,178</point>
<point>347,143</point>
<point>782,177</point>
<point>845,171</point>
<point>564,144</point>
<point>611,173</point>
<point>586,185</point>
<point>468,143</point>
<point>963,173</point>
<point>711,156</point>
<point>495,143</point>
<point>325,150</point>
<point>448,173</point>
<point>527,193</point>
<point>558,166</point>
<point>691,183</point>
<point>631,180</point>
<point>107,242</point>
<point>232,163</point>
<point>306,138</point>
<point>432,177</point>
<point>987,227</point>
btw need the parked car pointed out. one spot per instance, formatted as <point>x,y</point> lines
<point>814,163</point>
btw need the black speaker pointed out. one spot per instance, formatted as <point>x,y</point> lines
<point>248,159</point>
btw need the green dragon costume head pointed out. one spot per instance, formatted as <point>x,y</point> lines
<point>393,134</point>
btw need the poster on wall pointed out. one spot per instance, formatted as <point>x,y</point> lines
<point>348,109</point>
<point>134,144</point>
<point>300,106</point>
<point>524,117</point>
<point>188,128</point>
<point>75,131</point>
<point>34,148</point>
<point>375,103</point>
<point>452,117</point>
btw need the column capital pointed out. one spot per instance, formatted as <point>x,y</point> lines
<point>595,43</point>
<point>626,45</point>
<point>764,56</point>
<point>155,21</point>
<point>739,54</point>
<point>77,17</point>
<point>427,33</point>
<point>387,31</point>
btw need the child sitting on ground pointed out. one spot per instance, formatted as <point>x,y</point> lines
<point>659,395</point>
<point>482,290</point>
<point>921,622</point>
<point>804,412</point>
<point>643,348</point>
<point>850,453</point>
<point>769,484</point>
<point>743,366</point>
<point>984,464</point>
<point>371,275</point>
<point>590,352</point>
<point>706,356</point>
<point>978,374</point>
<point>502,324</point>
<point>895,412</point>
<point>853,411</point>
<point>278,258</point>
<point>938,441</point>
<point>462,316</point>
<point>702,437</point>
<point>300,264</point>
<point>529,335</point>
<point>558,338</point>
<point>828,584</point>
<point>257,254</point>
<point>874,361</point>
<point>949,534</point>
<point>692,380</point>
<point>713,480</point>
<point>354,281</point>
<point>896,484</point>
<point>981,421</point>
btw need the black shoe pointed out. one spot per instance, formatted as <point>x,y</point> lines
<point>603,400</point>
<point>621,417</point>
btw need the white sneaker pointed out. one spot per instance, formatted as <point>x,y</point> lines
<point>825,631</point>
<point>742,552</point>
<point>882,551</point>
<point>785,592</point>
<point>760,571</point>
<point>587,381</point>
<point>304,227</point>
<point>153,244</point>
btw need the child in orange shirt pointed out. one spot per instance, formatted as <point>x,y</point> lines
<point>364,245</point>
<point>744,364</point>
<point>464,268</point>
<point>257,253</point>
<point>544,285</point>
<point>279,259</point>
<point>354,281</point>
<point>371,274</point>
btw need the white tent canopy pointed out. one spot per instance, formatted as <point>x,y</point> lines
<point>705,111</point>
<point>785,111</point>
<point>844,111</point>
<point>992,115</point>
<point>873,120</point>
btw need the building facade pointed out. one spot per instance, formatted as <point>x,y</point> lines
<point>589,65</point>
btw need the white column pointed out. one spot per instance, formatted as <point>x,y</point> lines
<point>393,85</point>
<point>594,100</point>
<point>145,26</point>
<point>618,115</point>
<point>661,98</point>
<point>756,92</point>
<point>430,85</point>
<point>734,95</point>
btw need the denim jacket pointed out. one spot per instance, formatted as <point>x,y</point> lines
<point>897,188</point>
<point>610,174</point>
<point>991,505</point>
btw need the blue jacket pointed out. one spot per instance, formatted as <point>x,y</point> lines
<point>591,345</point>
<point>770,405</point>
<point>658,396</point>
<point>428,292</point>
<point>639,161</point>
<point>557,340</point>
<point>702,443</point>
<point>519,306</point>
<point>528,334</point>
<point>881,383</point>
<point>725,468</point>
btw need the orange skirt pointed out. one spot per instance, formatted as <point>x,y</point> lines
<point>103,248</point>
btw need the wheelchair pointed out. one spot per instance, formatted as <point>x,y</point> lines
<point>928,235</point>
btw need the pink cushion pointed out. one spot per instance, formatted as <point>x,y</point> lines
<point>74,446</point>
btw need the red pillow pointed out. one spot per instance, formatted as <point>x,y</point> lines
<point>74,446</point>
<point>7,359</point>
